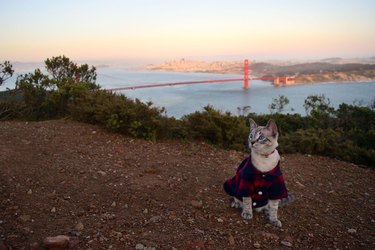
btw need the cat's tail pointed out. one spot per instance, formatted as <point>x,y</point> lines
<point>287,200</point>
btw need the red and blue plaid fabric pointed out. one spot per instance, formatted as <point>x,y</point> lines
<point>250,182</point>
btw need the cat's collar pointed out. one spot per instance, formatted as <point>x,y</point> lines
<point>267,155</point>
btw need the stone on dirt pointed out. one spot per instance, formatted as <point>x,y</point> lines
<point>197,204</point>
<point>286,243</point>
<point>59,242</point>
<point>231,240</point>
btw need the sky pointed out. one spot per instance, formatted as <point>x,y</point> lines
<point>33,30</point>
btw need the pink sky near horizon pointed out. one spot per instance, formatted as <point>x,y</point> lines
<point>167,29</point>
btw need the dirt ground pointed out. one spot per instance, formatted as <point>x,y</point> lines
<point>107,191</point>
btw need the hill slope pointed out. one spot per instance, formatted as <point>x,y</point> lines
<point>311,72</point>
<point>108,191</point>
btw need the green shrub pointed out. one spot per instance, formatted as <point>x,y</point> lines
<point>222,129</point>
<point>117,113</point>
<point>328,142</point>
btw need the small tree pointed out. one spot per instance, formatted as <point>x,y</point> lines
<point>278,105</point>
<point>64,71</point>
<point>318,104</point>
<point>48,95</point>
<point>6,71</point>
<point>243,111</point>
<point>319,109</point>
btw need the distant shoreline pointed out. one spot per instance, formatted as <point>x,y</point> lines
<point>304,73</point>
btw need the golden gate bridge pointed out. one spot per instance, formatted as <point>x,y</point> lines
<point>245,80</point>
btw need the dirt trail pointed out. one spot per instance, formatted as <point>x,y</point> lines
<point>106,191</point>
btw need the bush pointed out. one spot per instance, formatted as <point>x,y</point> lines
<point>358,123</point>
<point>222,129</point>
<point>117,113</point>
<point>328,142</point>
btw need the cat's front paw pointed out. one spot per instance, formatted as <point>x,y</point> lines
<point>276,223</point>
<point>236,203</point>
<point>247,215</point>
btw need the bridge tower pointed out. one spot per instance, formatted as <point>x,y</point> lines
<point>246,74</point>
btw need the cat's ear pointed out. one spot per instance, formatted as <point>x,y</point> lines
<point>271,126</point>
<point>253,124</point>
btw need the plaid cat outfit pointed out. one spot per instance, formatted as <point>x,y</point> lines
<point>250,182</point>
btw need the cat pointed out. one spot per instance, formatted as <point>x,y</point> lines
<point>258,182</point>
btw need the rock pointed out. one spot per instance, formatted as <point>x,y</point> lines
<point>102,173</point>
<point>33,246</point>
<point>352,231</point>
<point>139,246</point>
<point>300,184</point>
<point>79,226</point>
<point>270,236</point>
<point>30,191</point>
<point>53,210</point>
<point>231,240</point>
<point>116,235</point>
<point>256,245</point>
<point>286,243</point>
<point>220,220</point>
<point>56,242</point>
<point>25,218</point>
<point>113,204</point>
<point>108,216</point>
<point>155,219</point>
<point>197,204</point>
<point>27,230</point>
<point>66,197</point>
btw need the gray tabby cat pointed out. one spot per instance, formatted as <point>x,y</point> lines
<point>258,182</point>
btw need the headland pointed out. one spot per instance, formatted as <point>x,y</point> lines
<point>326,70</point>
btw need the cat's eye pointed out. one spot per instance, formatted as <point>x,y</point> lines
<point>262,138</point>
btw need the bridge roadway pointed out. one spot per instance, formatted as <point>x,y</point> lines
<point>186,83</point>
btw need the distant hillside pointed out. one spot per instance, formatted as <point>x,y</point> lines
<point>320,71</point>
<point>339,60</point>
<point>310,68</point>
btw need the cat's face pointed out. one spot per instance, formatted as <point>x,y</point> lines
<point>263,139</point>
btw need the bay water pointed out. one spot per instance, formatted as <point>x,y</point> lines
<point>229,96</point>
